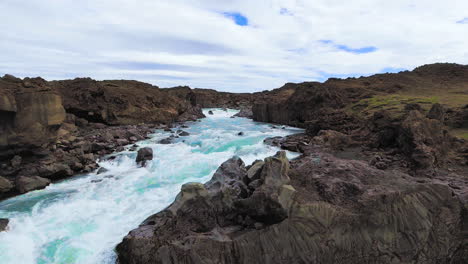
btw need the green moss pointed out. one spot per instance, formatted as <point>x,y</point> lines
<point>461,133</point>
<point>392,103</point>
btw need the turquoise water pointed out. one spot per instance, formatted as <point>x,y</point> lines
<point>78,221</point>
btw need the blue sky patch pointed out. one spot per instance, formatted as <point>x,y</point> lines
<point>463,21</point>
<point>392,70</point>
<point>238,18</point>
<point>346,48</point>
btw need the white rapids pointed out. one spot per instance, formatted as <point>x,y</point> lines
<point>82,219</point>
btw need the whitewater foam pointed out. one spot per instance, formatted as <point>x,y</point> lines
<point>81,220</point>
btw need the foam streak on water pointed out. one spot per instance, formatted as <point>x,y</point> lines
<point>80,221</point>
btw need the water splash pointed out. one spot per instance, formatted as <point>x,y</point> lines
<point>82,219</point>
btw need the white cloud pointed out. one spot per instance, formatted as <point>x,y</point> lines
<point>104,39</point>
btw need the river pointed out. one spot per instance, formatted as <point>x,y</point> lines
<point>82,219</point>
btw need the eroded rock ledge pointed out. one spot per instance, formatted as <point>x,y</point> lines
<point>315,209</point>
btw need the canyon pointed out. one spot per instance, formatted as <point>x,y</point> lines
<point>382,175</point>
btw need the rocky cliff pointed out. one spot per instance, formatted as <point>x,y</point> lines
<point>317,209</point>
<point>53,130</point>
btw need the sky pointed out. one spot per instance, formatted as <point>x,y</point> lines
<point>228,45</point>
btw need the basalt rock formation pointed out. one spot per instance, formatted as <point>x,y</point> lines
<point>317,209</point>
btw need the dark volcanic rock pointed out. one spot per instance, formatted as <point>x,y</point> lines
<point>245,111</point>
<point>165,141</point>
<point>425,140</point>
<point>3,224</point>
<point>211,214</point>
<point>184,134</point>
<point>26,184</point>
<point>346,213</point>
<point>5,185</point>
<point>144,154</point>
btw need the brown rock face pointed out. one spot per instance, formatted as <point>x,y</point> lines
<point>123,102</point>
<point>26,184</point>
<point>5,185</point>
<point>56,129</point>
<point>425,140</point>
<point>31,112</point>
<point>318,209</point>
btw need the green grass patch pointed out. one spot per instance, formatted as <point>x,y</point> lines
<point>394,104</point>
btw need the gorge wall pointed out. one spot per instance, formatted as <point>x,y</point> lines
<point>53,130</point>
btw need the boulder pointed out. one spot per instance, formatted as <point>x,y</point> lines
<point>240,133</point>
<point>210,112</point>
<point>26,184</point>
<point>332,139</point>
<point>184,134</point>
<point>4,224</point>
<point>437,112</point>
<point>5,185</point>
<point>165,141</point>
<point>425,141</point>
<point>245,112</point>
<point>253,173</point>
<point>144,154</point>
<point>16,161</point>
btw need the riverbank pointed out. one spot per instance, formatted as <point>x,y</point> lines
<point>81,219</point>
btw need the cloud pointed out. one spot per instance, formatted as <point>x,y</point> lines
<point>200,42</point>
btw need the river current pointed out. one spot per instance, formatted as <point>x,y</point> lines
<point>82,219</point>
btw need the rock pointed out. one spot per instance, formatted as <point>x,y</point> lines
<point>230,176</point>
<point>192,114</point>
<point>245,112</point>
<point>273,141</point>
<point>26,184</point>
<point>213,223</point>
<point>144,154</point>
<point>165,141</point>
<point>201,209</point>
<point>16,161</point>
<point>240,133</point>
<point>101,170</point>
<point>424,140</point>
<point>253,173</point>
<point>332,139</point>
<point>5,185</point>
<point>133,139</point>
<point>77,166</point>
<point>55,171</point>
<point>184,134</point>
<point>437,112</point>
<point>210,112</point>
<point>4,224</point>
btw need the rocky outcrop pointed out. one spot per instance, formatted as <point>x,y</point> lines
<point>143,155</point>
<point>3,224</point>
<point>425,140</point>
<point>124,102</point>
<point>26,184</point>
<point>31,114</point>
<point>318,209</point>
<point>54,130</point>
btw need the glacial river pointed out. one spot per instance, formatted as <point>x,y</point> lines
<point>81,220</point>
